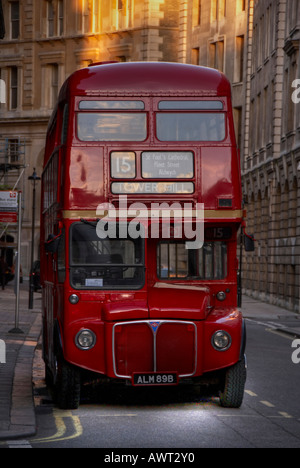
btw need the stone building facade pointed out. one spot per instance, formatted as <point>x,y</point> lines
<point>271,173</point>
<point>254,42</point>
<point>218,38</point>
<point>46,41</point>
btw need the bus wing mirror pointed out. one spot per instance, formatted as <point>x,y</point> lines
<point>249,243</point>
<point>51,245</point>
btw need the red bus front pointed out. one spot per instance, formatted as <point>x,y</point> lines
<point>141,215</point>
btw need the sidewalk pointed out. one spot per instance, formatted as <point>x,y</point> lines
<point>283,320</point>
<point>17,413</point>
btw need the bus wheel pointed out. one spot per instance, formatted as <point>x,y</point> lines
<point>67,385</point>
<point>233,392</point>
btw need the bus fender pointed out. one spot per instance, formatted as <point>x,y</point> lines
<point>57,339</point>
<point>243,340</point>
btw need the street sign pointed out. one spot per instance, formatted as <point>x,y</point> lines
<point>8,207</point>
<point>8,201</point>
<point>10,218</point>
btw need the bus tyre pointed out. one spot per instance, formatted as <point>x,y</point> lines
<point>67,385</point>
<point>233,392</point>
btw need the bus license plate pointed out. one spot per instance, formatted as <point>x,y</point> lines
<point>155,378</point>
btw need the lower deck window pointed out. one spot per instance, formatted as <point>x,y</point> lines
<point>174,261</point>
<point>104,263</point>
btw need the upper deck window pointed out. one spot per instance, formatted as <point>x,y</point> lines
<point>190,126</point>
<point>110,123</point>
<point>111,105</point>
<point>112,126</point>
<point>190,105</point>
<point>196,121</point>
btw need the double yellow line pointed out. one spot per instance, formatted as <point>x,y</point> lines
<point>61,428</point>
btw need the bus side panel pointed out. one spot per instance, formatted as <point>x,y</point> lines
<point>219,177</point>
<point>84,315</point>
<point>84,184</point>
<point>92,359</point>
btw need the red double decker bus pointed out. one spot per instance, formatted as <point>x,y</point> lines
<point>129,294</point>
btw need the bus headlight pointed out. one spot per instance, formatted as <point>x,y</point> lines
<point>221,340</point>
<point>74,299</point>
<point>85,339</point>
<point>221,296</point>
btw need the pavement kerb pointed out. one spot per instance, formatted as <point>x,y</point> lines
<point>22,415</point>
<point>255,309</point>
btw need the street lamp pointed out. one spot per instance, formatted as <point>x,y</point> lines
<point>34,178</point>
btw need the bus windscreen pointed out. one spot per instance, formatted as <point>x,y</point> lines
<point>110,263</point>
<point>207,263</point>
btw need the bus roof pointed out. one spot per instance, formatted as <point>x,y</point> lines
<point>146,78</point>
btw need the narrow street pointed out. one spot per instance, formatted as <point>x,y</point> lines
<point>149,204</point>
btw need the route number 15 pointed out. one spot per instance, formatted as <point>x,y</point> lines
<point>123,165</point>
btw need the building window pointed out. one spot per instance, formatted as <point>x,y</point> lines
<point>90,16</point>
<point>50,19</point>
<point>122,12</point>
<point>2,89</point>
<point>54,84</point>
<point>60,17</point>
<point>258,134</point>
<point>15,19</point>
<point>237,114</point>
<point>96,17</point>
<point>216,55</point>
<point>85,16</point>
<point>90,22</point>
<point>239,59</point>
<point>241,5</point>
<point>195,56</point>
<point>218,9</point>
<point>197,10</point>
<point>13,101</point>
<point>13,150</point>
<point>222,8</point>
<point>120,15</point>
<point>121,58</point>
<point>129,13</point>
<point>116,14</point>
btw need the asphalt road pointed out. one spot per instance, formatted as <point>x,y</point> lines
<point>180,420</point>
